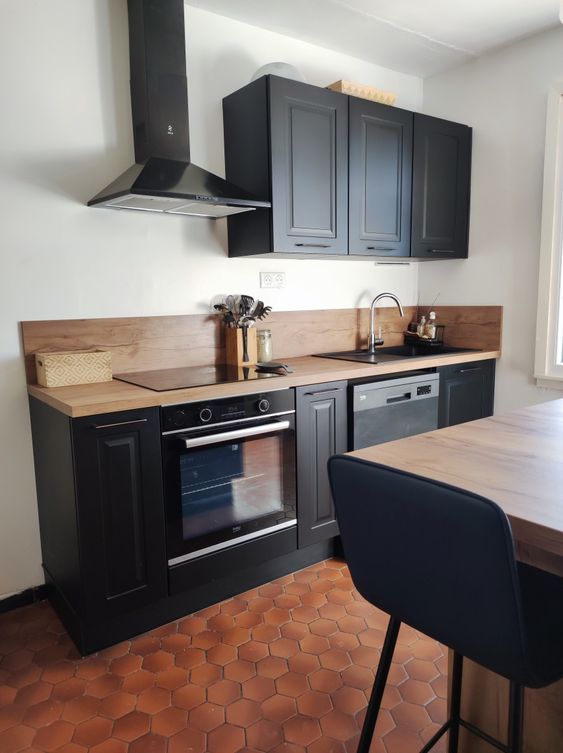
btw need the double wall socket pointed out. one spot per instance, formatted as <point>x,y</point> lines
<point>272,279</point>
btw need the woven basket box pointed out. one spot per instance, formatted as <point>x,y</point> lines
<point>365,92</point>
<point>73,367</point>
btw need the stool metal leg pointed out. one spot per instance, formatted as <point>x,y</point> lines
<point>455,702</point>
<point>379,685</point>
<point>515,718</point>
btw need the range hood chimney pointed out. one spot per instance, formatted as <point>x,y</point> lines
<point>163,178</point>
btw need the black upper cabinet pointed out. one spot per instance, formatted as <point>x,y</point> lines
<point>321,431</point>
<point>287,142</point>
<point>466,392</point>
<point>380,179</point>
<point>344,175</point>
<point>120,511</point>
<point>441,188</point>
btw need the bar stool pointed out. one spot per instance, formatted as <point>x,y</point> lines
<point>443,561</point>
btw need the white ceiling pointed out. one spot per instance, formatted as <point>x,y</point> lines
<point>420,37</point>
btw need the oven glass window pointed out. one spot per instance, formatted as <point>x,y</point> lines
<point>225,485</point>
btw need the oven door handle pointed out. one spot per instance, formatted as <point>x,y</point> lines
<point>227,436</point>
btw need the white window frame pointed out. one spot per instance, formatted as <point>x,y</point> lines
<point>549,324</point>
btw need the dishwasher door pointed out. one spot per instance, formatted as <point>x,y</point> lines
<point>394,408</point>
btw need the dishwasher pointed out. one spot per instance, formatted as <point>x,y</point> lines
<point>393,408</point>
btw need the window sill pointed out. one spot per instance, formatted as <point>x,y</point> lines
<point>549,382</point>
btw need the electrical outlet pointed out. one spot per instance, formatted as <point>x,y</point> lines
<point>272,279</point>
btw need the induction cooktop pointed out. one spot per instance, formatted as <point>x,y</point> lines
<point>162,380</point>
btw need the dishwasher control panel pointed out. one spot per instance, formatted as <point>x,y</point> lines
<point>425,389</point>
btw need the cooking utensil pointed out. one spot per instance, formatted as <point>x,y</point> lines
<point>273,366</point>
<point>232,301</point>
<point>264,312</point>
<point>257,307</point>
<point>259,310</point>
<point>246,303</point>
<point>245,322</point>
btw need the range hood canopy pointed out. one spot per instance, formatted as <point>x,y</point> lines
<point>164,179</point>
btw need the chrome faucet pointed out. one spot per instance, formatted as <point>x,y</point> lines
<point>372,340</point>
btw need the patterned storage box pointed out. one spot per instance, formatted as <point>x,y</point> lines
<point>73,367</point>
<point>365,92</point>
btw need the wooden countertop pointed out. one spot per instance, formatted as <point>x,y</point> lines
<point>108,397</point>
<point>514,459</point>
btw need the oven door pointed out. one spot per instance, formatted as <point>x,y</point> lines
<point>229,485</point>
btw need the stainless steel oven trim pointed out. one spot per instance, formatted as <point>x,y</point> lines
<point>231,542</point>
<point>227,423</point>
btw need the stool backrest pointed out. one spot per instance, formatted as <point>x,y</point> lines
<point>436,557</point>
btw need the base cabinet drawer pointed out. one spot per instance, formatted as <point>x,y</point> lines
<point>321,431</point>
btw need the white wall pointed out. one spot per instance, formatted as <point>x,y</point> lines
<point>66,133</point>
<point>504,97</point>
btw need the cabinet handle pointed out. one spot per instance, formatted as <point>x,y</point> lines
<point>120,423</point>
<point>314,245</point>
<point>441,251</point>
<point>398,398</point>
<point>322,392</point>
<point>378,248</point>
<point>232,436</point>
<point>466,371</point>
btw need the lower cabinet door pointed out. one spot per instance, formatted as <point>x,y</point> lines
<point>466,392</point>
<point>120,505</point>
<point>321,431</point>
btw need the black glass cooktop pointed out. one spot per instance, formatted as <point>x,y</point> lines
<point>192,376</point>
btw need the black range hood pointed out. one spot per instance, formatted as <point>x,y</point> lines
<point>163,178</point>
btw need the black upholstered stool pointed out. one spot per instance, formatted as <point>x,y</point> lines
<point>443,561</point>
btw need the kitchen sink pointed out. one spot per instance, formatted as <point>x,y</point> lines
<point>395,353</point>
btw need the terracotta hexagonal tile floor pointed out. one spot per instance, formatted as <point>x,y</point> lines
<point>287,666</point>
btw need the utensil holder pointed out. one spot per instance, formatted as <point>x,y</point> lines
<point>234,348</point>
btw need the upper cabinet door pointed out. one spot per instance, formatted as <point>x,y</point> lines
<point>309,164</point>
<point>441,181</point>
<point>380,179</point>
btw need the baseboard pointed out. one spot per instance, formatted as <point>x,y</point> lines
<point>23,599</point>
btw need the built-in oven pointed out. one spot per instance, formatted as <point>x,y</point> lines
<point>229,471</point>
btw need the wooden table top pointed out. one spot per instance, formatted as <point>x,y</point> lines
<point>514,459</point>
<point>108,397</point>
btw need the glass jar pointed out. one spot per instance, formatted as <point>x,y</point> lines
<point>264,345</point>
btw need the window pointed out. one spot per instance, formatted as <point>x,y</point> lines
<point>549,327</point>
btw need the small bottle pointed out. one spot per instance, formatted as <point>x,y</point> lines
<point>430,328</point>
<point>264,345</point>
<point>421,327</point>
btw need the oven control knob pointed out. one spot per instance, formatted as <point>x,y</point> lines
<point>178,418</point>
<point>263,405</point>
<point>205,415</point>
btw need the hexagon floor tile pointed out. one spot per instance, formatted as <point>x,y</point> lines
<point>285,666</point>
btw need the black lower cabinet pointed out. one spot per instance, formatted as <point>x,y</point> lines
<point>101,515</point>
<point>103,540</point>
<point>321,431</point>
<point>120,511</point>
<point>466,392</point>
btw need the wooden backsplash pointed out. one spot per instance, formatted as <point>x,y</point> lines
<point>164,342</point>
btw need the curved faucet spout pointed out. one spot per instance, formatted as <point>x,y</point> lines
<point>372,340</point>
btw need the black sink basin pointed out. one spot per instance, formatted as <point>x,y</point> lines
<point>395,353</point>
